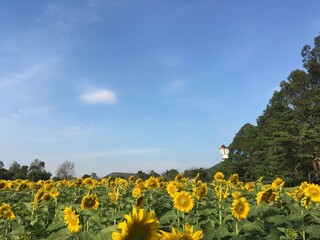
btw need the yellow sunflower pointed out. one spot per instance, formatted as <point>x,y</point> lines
<point>176,234</point>
<point>172,188</point>
<point>151,183</point>
<point>3,184</point>
<point>313,191</point>
<point>219,176</point>
<point>240,208</point>
<point>277,184</point>
<point>306,202</point>
<point>298,194</point>
<point>236,194</point>
<point>140,201</point>
<point>72,220</point>
<point>183,201</point>
<point>89,201</point>
<point>268,195</point>
<point>140,224</point>
<point>46,196</point>
<point>136,192</point>
<point>6,212</point>
<point>179,177</point>
<point>200,191</point>
<point>54,193</point>
<point>233,180</point>
<point>249,186</point>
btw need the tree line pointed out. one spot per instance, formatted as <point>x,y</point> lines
<point>285,142</point>
<point>36,171</point>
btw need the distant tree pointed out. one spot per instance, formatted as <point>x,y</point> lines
<point>37,172</point>
<point>16,171</point>
<point>94,176</point>
<point>4,173</point>
<point>192,173</point>
<point>86,176</point>
<point>66,170</point>
<point>142,175</point>
<point>154,174</point>
<point>169,175</point>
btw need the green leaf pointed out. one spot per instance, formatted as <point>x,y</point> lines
<point>313,230</point>
<point>62,234</point>
<point>105,233</point>
<point>249,227</point>
<point>277,219</point>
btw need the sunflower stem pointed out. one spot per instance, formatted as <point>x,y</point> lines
<point>237,229</point>
<point>220,205</point>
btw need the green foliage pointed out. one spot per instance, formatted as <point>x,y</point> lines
<point>286,141</point>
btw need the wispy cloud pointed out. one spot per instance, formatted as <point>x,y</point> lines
<point>175,86</point>
<point>19,77</point>
<point>101,95</point>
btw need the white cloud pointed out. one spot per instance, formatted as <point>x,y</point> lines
<point>99,96</point>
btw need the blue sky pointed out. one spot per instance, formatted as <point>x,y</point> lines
<point>122,85</point>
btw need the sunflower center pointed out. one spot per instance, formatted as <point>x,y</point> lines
<point>184,202</point>
<point>239,208</point>
<point>90,202</point>
<point>139,233</point>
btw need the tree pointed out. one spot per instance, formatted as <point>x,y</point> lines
<point>16,171</point>
<point>142,175</point>
<point>170,175</point>
<point>286,140</point>
<point>37,172</point>
<point>66,170</point>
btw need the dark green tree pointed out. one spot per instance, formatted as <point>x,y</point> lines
<point>16,171</point>
<point>169,175</point>
<point>37,171</point>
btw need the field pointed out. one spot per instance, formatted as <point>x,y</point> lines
<point>134,209</point>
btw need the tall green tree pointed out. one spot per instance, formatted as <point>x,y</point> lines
<point>37,171</point>
<point>286,141</point>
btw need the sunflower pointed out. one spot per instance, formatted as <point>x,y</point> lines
<point>240,208</point>
<point>136,192</point>
<point>89,201</point>
<point>3,184</point>
<point>298,194</point>
<point>140,224</point>
<point>268,195</point>
<point>236,194</point>
<point>249,186</point>
<point>152,183</point>
<point>179,177</point>
<point>176,234</point>
<point>172,188</point>
<point>200,191</point>
<point>72,220</point>
<point>6,212</point>
<point>306,202</point>
<point>233,180</point>
<point>313,191</point>
<point>219,176</point>
<point>38,196</point>
<point>46,196</point>
<point>23,186</point>
<point>54,193</point>
<point>183,201</point>
<point>140,201</point>
<point>277,184</point>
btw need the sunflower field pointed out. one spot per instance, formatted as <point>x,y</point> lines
<point>134,209</point>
